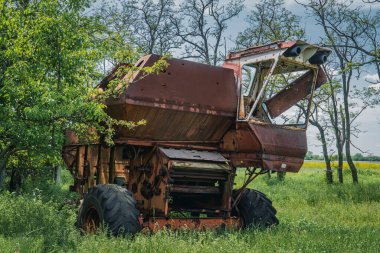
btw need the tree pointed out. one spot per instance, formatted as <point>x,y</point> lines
<point>345,31</point>
<point>154,31</point>
<point>200,24</point>
<point>115,34</point>
<point>270,21</point>
<point>145,24</point>
<point>45,54</point>
<point>335,112</point>
<point>318,119</point>
<point>358,157</point>
<point>49,56</point>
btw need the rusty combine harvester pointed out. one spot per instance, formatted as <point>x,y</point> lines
<point>203,124</point>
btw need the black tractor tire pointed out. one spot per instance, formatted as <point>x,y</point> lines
<point>111,206</point>
<point>255,210</point>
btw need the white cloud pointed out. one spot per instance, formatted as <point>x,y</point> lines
<point>331,70</point>
<point>373,78</point>
<point>375,86</point>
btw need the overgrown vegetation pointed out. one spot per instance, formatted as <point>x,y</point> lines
<point>54,52</point>
<point>50,57</point>
<point>315,217</point>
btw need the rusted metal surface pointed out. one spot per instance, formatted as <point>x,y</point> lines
<point>155,224</point>
<point>195,189</point>
<point>296,91</point>
<point>282,148</point>
<point>186,83</point>
<point>70,137</point>
<point>192,154</point>
<point>193,165</point>
<point>241,140</point>
<point>185,157</point>
<point>281,163</point>
<point>260,49</point>
<point>266,146</point>
<point>164,124</point>
<point>273,47</point>
<point>280,140</point>
<point>177,104</point>
<point>195,145</point>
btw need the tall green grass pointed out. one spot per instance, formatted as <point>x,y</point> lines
<point>314,217</point>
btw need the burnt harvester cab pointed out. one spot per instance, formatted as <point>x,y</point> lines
<point>203,124</point>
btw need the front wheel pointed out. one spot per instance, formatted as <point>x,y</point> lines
<point>256,210</point>
<point>109,205</point>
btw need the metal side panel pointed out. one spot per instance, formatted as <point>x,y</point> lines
<point>200,165</point>
<point>186,154</point>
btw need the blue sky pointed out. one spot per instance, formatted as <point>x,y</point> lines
<point>369,121</point>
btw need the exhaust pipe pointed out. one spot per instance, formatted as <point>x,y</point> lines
<point>293,51</point>
<point>318,58</point>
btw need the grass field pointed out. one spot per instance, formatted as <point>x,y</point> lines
<point>314,217</point>
<point>359,165</point>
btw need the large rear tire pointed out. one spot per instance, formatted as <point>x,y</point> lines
<point>256,210</point>
<point>109,205</point>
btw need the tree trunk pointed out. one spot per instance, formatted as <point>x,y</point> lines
<point>347,119</point>
<point>3,173</point>
<point>334,118</point>
<point>341,144</point>
<point>340,166</point>
<point>16,180</point>
<point>58,175</point>
<point>281,175</point>
<point>354,171</point>
<point>339,148</point>
<point>2,176</point>
<point>329,173</point>
<point>346,78</point>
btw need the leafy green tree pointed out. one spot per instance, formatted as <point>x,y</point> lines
<point>48,63</point>
<point>50,53</point>
<point>358,157</point>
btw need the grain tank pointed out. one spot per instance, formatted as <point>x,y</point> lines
<point>203,124</point>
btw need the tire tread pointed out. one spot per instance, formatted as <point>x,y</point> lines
<point>118,208</point>
<point>256,210</point>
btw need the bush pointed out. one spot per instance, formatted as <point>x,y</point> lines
<point>28,216</point>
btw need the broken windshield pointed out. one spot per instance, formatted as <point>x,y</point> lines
<point>276,93</point>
